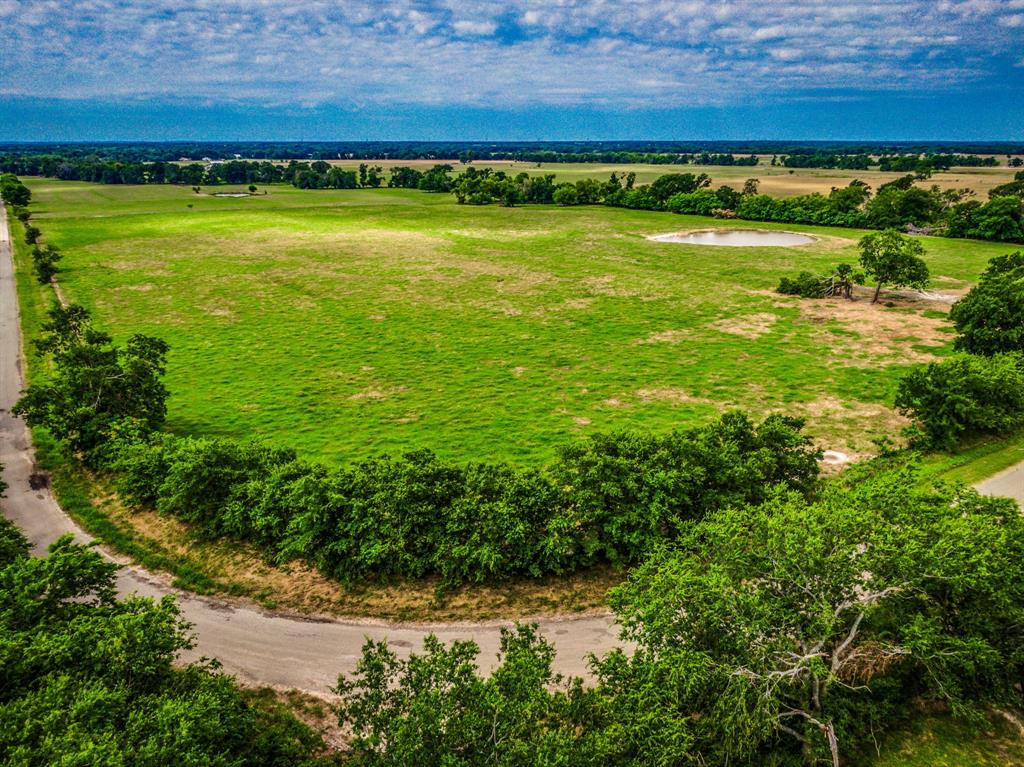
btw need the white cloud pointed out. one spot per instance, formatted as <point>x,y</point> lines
<point>622,52</point>
<point>474,27</point>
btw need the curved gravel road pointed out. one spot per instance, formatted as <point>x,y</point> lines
<point>255,645</point>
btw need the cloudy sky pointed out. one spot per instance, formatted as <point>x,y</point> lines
<point>477,69</point>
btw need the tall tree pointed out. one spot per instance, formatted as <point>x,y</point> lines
<point>94,383</point>
<point>893,259</point>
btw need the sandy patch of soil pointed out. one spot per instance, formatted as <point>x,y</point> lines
<point>378,393</point>
<point>673,396</point>
<point>752,326</point>
<point>664,337</point>
<point>877,334</point>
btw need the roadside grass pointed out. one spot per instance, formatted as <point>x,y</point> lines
<point>353,323</point>
<point>980,460</point>
<point>941,741</point>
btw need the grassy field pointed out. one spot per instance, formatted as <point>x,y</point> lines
<point>775,180</point>
<point>348,323</point>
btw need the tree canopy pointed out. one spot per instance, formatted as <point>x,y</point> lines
<point>990,318</point>
<point>893,259</point>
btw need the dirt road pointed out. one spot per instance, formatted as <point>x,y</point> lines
<point>256,645</point>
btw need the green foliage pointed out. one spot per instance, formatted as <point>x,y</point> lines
<point>607,499</point>
<point>12,191</point>
<point>435,710</point>
<point>88,679</point>
<point>807,285</point>
<point>990,318</point>
<point>819,623</point>
<point>893,259</point>
<point>94,383</point>
<point>786,633</point>
<point>44,263</point>
<point>964,396</point>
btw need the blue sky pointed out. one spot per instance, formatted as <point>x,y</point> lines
<point>482,70</point>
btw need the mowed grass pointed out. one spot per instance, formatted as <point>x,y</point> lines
<point>352,323</point>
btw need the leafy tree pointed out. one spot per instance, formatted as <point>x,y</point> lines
<point>964,395</point>
<point>435,710</point>
<point>990,318</point>
<point>13,192</point>
<point>666,186</point>
<point>94,383</point>
<point>806,627</point>
<point>893,259</point>
<point>44,262</point>
<point>32,234</point>
<point>566,195</point>
<point>89,679</point>
<point>1000,219</point>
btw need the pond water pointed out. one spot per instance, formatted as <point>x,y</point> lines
<point>737,238</point>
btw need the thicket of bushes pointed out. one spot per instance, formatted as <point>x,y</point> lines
<point>87,679</point>
<point>980,390</point>
<point>611,498</point>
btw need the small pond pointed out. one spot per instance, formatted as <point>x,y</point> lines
<point>737,238</point>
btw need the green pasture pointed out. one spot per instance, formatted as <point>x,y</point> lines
<point>350,323</point>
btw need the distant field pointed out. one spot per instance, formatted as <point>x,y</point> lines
<point>347,323</point>
<point>776,181</point>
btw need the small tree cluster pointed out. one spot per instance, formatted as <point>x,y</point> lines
<point>44,263</point>
<point>965,395</point>
<point>807,285</point>
<point>13,192</point>
<point>94,384</point>
<point>89,679</point>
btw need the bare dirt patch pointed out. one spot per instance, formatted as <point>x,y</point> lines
<point>752,326</point>
<point>672,395</point>
<point>378,393</point>
<point>882,335</point>
<point>664,337</point>
<point>846,426</point>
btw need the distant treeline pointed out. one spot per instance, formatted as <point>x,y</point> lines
<point>901,163</point>
<point>654,152</point>
<point>898,204</point>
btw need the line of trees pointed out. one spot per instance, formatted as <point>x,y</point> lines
<point>790,632</point>
<point>901,203</point>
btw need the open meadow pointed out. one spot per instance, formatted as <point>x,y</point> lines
<point>351,323</point>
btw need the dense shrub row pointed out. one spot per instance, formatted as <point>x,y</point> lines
<point>610,498</point>
<point>980,390</point>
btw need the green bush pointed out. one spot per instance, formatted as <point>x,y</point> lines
<point>88,679</point>
<point>963,396</point>
<point>990,318</point>
<point>611,498</point>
